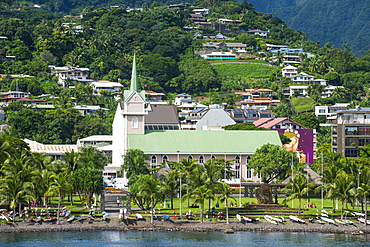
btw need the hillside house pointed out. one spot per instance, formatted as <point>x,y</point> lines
<point>69,72</point>
<point>262,34</point>
<point>106,85</point>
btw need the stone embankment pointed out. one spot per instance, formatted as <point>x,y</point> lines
<point>186,226</point>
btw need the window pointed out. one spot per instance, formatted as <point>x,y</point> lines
<point>321,110</point>
<point>249,173</point>
<point>237,167</point>
<point>153,162</point>
<point>165,159</point>
<point>213,157</point>
<point>201,159</point>
<point>190,158</point>
<point>350,152</point>
<point>135,123</point>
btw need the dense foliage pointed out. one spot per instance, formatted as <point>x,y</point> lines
<point>322,19</point>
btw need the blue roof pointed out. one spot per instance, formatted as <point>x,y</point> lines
<point>182,95</point>
<point>197,110</point>
<point>250,110</point>
<point>238,110</point>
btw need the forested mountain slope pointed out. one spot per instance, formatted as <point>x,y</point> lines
<point>337,22</point>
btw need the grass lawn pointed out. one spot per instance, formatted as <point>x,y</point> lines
<point>244,70</point>
<point>160,209</point>
<point>302,104</point>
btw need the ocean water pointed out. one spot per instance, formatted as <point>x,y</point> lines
<point>215,239</point>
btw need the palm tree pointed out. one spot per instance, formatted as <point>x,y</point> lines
<point>60,187</point>
<point>44,182</point>
<point>71,161</point>
<point>226,192</point>
<point>341,188</point>
<point>298,188</point>
<point>199,195</point>
<point>171,184</point>
<point>364,188</point>
<point>135,163</point>
<point>152,188</point>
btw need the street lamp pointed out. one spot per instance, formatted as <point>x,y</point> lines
<point>178,162</point>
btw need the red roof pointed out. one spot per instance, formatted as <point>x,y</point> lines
<point>261,121</point>
<point>273,122</point>
<point>153,93</point>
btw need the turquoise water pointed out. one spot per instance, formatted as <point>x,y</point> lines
<point>215,239</point>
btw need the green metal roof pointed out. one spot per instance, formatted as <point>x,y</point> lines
<point>203,141</point>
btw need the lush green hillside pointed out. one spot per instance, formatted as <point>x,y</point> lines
<point>337,22</point>
<point>244,70</point>
<point>302,104</point>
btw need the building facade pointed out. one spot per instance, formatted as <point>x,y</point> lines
<point>351,132</point>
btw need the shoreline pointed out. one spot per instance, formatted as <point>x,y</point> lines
<point>181,226</point>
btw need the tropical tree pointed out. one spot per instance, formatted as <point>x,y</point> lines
<point>14,192</point>
<point>298,188</point>
<point>171,184</point>
<point>135,163</point>
<point>341,188</point>
<point>272,162</point>
<point>60,188</point>
<point>199,195</point>
<point>151,188</point>
<point>225,193</point>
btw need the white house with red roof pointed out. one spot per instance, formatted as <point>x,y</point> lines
<point>261,33</point>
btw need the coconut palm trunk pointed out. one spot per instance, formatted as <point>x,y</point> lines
<point>58,213</point>
<point>152,209</point>
<point>365,209</point>
<point>227,210</point>
<point>201,211</point>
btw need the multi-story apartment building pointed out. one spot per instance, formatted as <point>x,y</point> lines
<point>351,132</point>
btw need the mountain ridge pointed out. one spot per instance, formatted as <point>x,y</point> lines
<point>337,22</point>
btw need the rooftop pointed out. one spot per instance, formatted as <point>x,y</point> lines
<point>203,141</point>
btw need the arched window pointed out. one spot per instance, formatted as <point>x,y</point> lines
<point>249,170</point>
<point>190,157</point>
<point>165,159</point>
<point>153,161</point>
<point>237,167</point>
<point>201,159</point>
<point>213,157</point>
<point>135,123</point>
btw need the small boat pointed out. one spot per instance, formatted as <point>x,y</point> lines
<point>67,213</point>
<point>362,220</point>
<point>296,219</point>
<point>340,221</point>
<point>269,219</point>
<point>328,220</point>
<point>81,217</point>
<point>140,217</point>
<point>357,233</point>
<point>166,217</point>
<point>247,219</point>
<point>320,222</point>
<point>239,218</point>
<point>4,217</point>
<point>358,214</point>
<point>70,219</point>
<point>349,222</point>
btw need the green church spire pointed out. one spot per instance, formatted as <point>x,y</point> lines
<point>134,83</point>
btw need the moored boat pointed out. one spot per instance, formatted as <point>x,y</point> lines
<point>70,219</point>
<point>269,219</point>
<point>296,219</point>
<point>340,221</point>
<point>362,220</point>
<point>330,221</point>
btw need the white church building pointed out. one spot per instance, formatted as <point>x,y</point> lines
<point>155,129</point>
